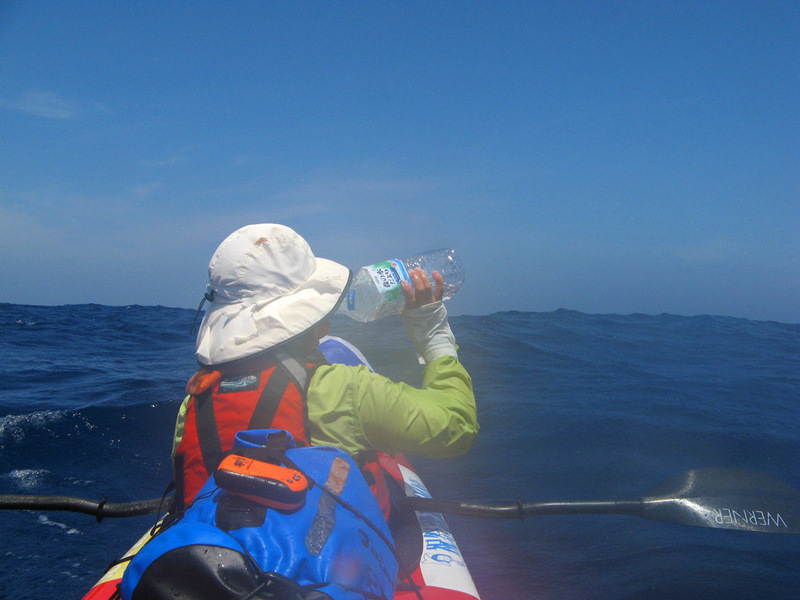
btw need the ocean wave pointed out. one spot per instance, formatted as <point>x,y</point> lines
<point>25,323</point>
<point>44,520</point>
<point>572,407</point>
<point>27,480</point>
<point>16,427</point>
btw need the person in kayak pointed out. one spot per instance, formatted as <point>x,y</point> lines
<point>271,303</point>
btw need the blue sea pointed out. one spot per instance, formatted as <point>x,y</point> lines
<point>572,407</point>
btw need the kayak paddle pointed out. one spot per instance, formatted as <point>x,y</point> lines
<point>718,498</point>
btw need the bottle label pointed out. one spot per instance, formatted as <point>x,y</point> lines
<point>387,276</point>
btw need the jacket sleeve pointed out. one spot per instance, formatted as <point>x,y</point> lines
<point>355,409</point>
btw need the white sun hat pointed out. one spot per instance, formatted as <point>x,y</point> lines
<point>266,287</point>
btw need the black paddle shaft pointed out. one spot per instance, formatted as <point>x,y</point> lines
<point>100,509</point>
<point>718,498</point>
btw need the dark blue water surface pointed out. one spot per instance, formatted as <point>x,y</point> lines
<point>572,407</point>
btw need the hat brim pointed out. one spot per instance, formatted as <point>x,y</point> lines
<point>249,326</point>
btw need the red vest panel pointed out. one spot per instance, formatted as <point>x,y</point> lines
<point>223,404</point>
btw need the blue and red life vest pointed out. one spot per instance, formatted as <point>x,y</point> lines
<point>264,393</point>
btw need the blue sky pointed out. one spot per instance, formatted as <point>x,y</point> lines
<point>606,157</point>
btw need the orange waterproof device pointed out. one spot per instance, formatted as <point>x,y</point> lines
<point>275,486</point>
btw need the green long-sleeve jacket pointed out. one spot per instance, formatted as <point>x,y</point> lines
<point>355,410</point>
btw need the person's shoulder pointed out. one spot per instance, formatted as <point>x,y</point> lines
<point>335,378</point>
<point>333,372</point>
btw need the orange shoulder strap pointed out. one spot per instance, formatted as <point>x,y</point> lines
<point>202,380</point>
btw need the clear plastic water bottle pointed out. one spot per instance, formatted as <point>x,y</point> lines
<point>376,290</point>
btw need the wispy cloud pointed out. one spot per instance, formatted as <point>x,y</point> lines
<point>143,191</point>
<point>170,161</point>
<point>711,251</point>
<point>47,105</point>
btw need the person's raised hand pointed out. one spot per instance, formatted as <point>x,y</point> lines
<point>420,291</point>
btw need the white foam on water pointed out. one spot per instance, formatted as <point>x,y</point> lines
<point>44,520</point>
<point>27,480</point>
<point>16,427</point>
